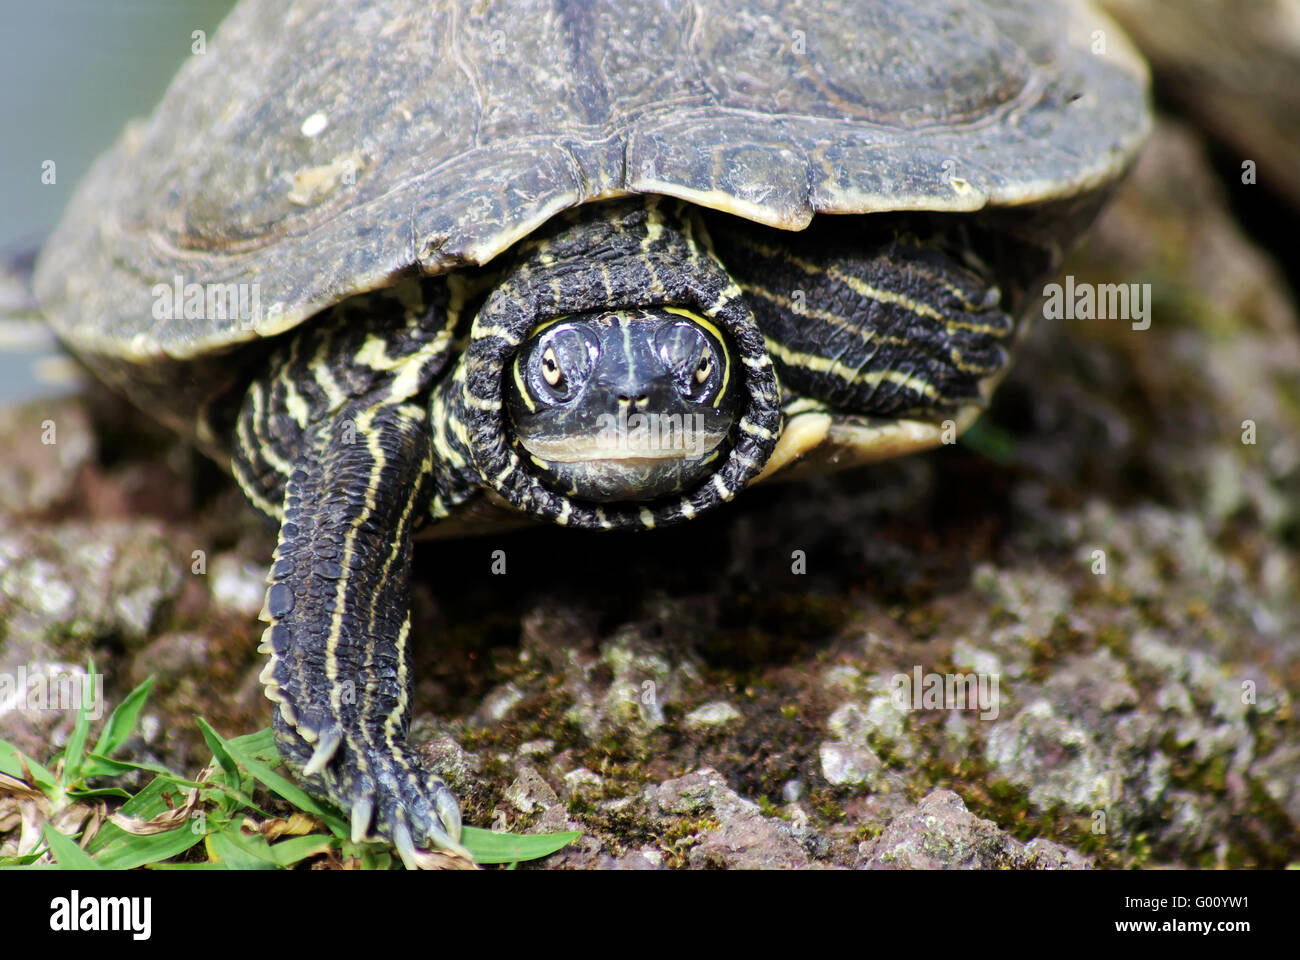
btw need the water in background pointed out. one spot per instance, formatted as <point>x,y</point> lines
<point>72,72</point>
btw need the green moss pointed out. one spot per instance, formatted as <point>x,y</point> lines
<point>677,840</point>
<point>582,808</point>
<point>827,806</point>
<point>865,832</point>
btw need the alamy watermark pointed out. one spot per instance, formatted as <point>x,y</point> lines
<point>1098,301</point>
<point>653,432</point>
<point>207,301</point>
<point>75,913</point>
<point>947,691</point>
<point>52,688</point>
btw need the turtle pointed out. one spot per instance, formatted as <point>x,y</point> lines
<point>432,267</point>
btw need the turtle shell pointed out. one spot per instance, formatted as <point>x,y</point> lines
<point>316,151</point>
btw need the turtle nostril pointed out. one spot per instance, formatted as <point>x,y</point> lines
<point>637,403</point>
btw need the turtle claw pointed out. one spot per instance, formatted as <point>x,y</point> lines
<point>397,800</point>
<point>405,846</point>
<point>421,808</point>
<point>448,813</point>
<point>327,741</point>
<point>386,795</point>
<point>437,829</point>
<point>444,840</point>
<point>362,810</point>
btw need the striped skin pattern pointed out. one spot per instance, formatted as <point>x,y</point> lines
<point>365,424</point>
<point>334,442</point>
<point>339,639</point>
<point>869,321</point>
<point>386,346</point>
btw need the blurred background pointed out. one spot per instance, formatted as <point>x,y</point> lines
<point>72,73</point>
<point>1232,68</point>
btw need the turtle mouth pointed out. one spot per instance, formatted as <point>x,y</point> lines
<point>605,475</point>
<point>638,458</point>
<point>656,442</point>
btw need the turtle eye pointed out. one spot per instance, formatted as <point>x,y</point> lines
<point>551,372</point>
<point>693,358</point>
<point>704,368</point>
<point>559,363</point>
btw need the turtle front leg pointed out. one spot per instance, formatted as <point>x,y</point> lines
<point>871,323</point>
<point>339,634</point>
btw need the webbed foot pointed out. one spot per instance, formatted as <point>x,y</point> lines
<point>386,791</point>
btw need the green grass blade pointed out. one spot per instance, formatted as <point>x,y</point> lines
<point>260,746</point>
<point>122,721</point>
<point>19,863</point>
<point>145,805</point>
<point>99,766</point>
<point>115,792</point>
<point>241,799</point>
<point>990,441</point>
<point>66,852</point>
<point>76,749</point>
<point>490,847</point>
<point>373,857</point>
<point>130,851</point>
<point>206,865</point>
<point>11,762</point>
<point>281,786</point>
<point>232,848</point>
<point>288,852</point>
<point>217,744</point>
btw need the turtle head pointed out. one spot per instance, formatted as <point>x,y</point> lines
<point>614,377</point>
<point>625,404</point>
